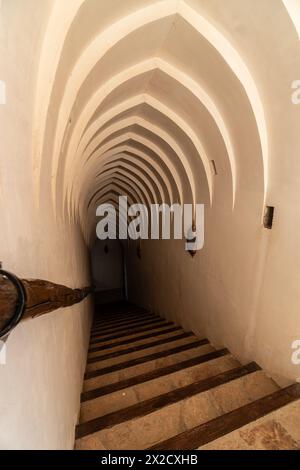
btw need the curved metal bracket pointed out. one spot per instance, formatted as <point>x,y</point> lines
<point>20,306</point>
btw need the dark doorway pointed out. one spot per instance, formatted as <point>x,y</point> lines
<point>108,271</point>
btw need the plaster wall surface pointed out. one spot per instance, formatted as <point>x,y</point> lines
<point>45,357</point>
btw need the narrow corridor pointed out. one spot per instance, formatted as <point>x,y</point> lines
<point>178,337</point>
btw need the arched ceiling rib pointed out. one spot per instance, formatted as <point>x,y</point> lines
<point>173,150</point>
<point>143,190</point>
<point>155,129</point>
<point>140,157</point>
<point>113,194</point>
<point>109,150</point>
<point>136,102</point>
<point>179,77</point>
<point>151,173</point>
<point>142,178</point>
<point>114,185</point>
<point>293,8</point>
<point>171,188</point>
<point>111,199</point>
<point>122,185</point>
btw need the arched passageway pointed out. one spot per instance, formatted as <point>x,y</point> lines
<point>170,101</point>
<point>108,272</point>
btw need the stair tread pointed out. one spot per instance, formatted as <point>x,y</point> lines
<point>144,390</point>
<point>206,432</point>
<point>126,373</point>
<point>124,323</point>
<point>119,317</point>
<point>125,358</point>
<point>115,331</point>
<point>153,404</point>
<point>151,385</point>
<point>277,430</point>
<point>119,345</point>
<point>140,347</point>
<point>149,357</point>
<point>132,332</point>
<point>172,419</point>
<point>109,310</point>
<point>154,374</point>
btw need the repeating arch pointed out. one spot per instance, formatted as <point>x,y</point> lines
<point>108,150</point>
<point>136,120</point>
<point>144,191</point>
<point>124,158</point>
<point>114,185</point>
<point>97,153</point>
<point>134,170</point>
<point>112,35</point>
<point>97,125</point>
<point>127,150</point>
<point>180,77</point>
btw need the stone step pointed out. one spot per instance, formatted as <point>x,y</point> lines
<point>128,333</point>
<point>112,365</point>
<point>146,338</point>
<point>272,420</point>
<point>151,385</point>
<point>140,352</point>
<point>96,328</point>
<point>123,329</point>
<point>145,367</point>
<point>116,400</point>
<point>115,318</point>
<point>147,423</point>
<point>277,430</point>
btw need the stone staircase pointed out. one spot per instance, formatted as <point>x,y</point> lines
<point>151,385</point>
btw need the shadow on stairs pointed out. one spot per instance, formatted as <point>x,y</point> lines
<point>151,385</point>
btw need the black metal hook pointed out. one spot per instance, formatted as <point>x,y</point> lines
<point>21,302</point>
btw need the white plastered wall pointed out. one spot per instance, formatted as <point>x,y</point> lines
<point>45,357</point>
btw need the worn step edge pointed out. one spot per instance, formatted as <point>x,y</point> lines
<point>112,315</point>
<point>155,374</point>
<point>122,319</point>
<point>124,324</point>
<point>123,335</point>
<point>134,339</point>
<point>222,425</point>
<point>108,313</point>
<point>143,359</point>
<point>124,329</point>
<point>109,317</point>
<point>140,347</point>
<point>154,404</point>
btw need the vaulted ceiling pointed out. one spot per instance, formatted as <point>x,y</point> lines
<point>138,97</point>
